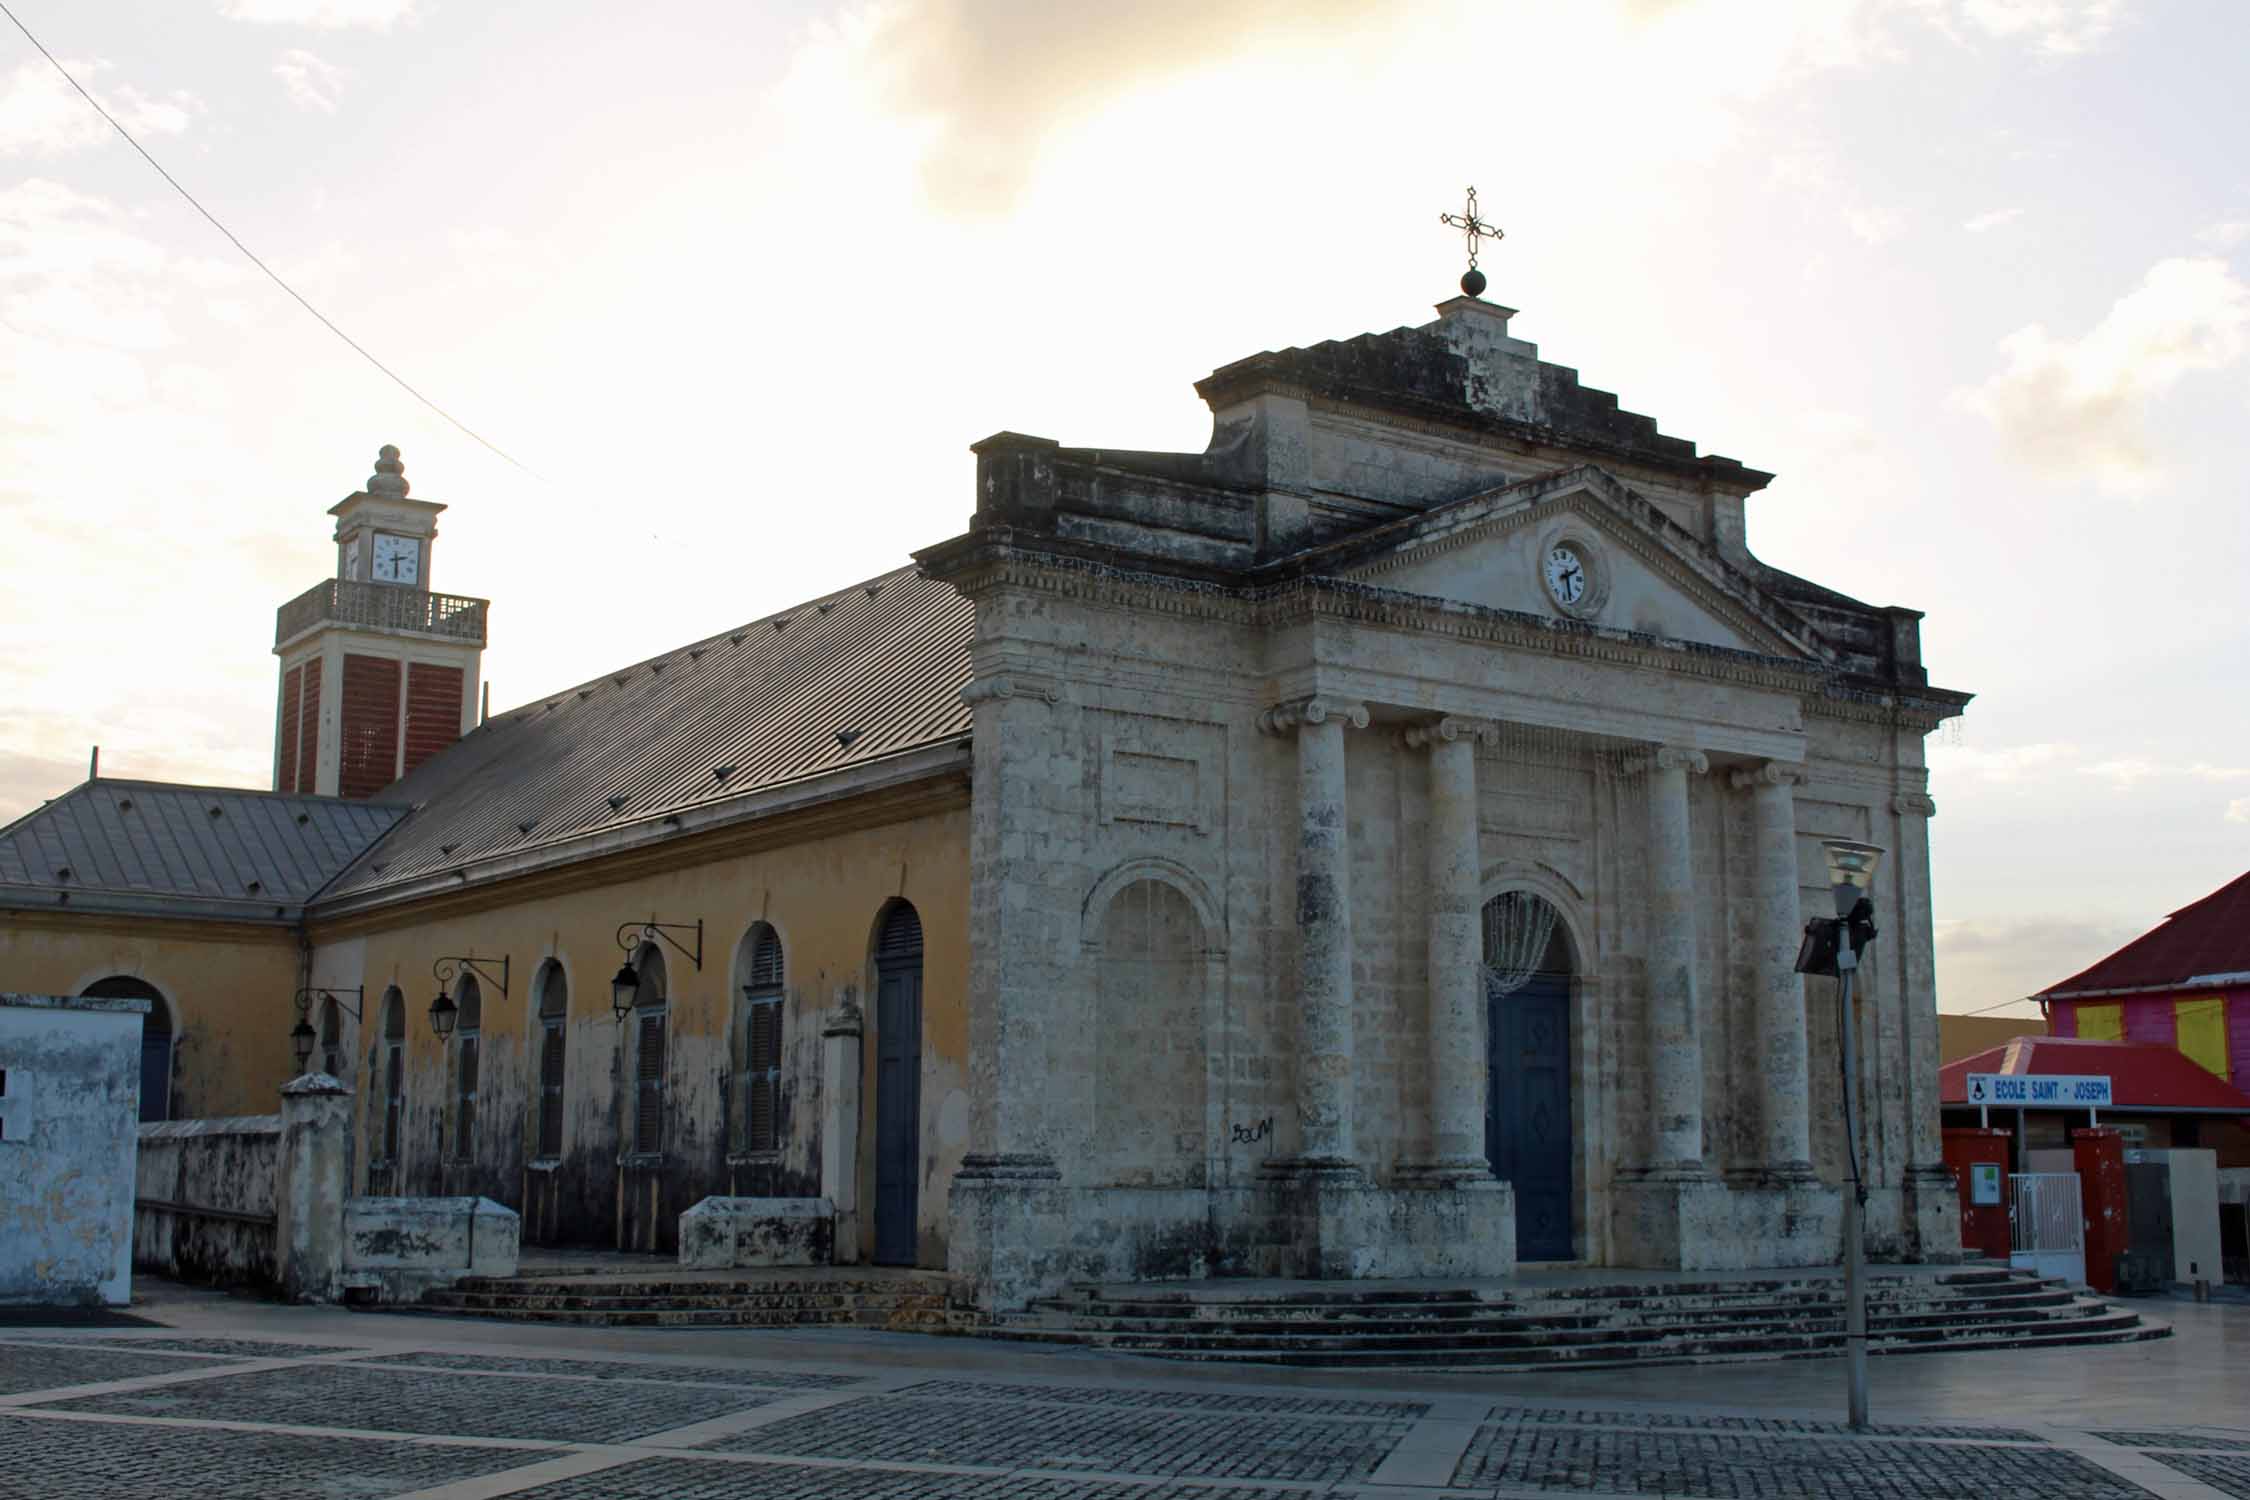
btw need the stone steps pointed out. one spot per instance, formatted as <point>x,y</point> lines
<point>1586,1327</point>
<point>922,1303</point>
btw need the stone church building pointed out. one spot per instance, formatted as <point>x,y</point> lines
<point>1373,846</point>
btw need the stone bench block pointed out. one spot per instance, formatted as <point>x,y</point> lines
<point>401,1247</point>
<point>724,1232</point>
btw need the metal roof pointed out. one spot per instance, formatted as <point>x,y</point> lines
<point>207,851</point>
<point>2202,945</point>
<point>2142,1075</point>
<point>857,676</point>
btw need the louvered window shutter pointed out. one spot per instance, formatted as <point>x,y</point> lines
<point>764,1075</point>
<point>393,1102</point>
<point>648,1123</point>
<point>465,1116</point>
<point>550,1090</point>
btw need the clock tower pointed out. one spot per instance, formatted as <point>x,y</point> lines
<point>378,672</point>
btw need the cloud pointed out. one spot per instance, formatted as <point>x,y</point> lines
<point>332,15</point>
<point>312,83</point>
<point>2057,27</point>
<point>2226,236</point>
<point>2238,811</point>
<point>2013,763</point>
<point>42,114</point>
<point>1992,220</point>
<point>2070,406</point>
<point>1982,963</point>
<point>2131,771</point>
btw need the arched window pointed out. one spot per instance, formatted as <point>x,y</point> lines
<point>649,1017</point>
<point>760,976</point>
<point>331,1024</point>
<point>467,1034</point>
<point>1149,1025</point>
<point>391,1074</point>
<point>554,1020</point>
<point>156,1040</point>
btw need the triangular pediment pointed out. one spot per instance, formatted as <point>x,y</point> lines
<point>1579,545</point>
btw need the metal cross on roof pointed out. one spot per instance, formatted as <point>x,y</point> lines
<point>1472,229</point>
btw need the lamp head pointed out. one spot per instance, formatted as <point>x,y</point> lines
<point>444,1014</point>
<point>301,1043</point>
<point>1851,871</point>
<point>623,989</point>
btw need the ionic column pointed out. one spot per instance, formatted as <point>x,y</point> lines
<point>1324,927</point>
<point>1778,990</point>
<point>1675,1047</point>
<point>1455,883</point>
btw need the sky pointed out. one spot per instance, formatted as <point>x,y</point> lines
<point>734,288</point>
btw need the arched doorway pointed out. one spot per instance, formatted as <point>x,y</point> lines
<point>898,1084</point>
<point>1527,977</point>
<point>156,1039</point>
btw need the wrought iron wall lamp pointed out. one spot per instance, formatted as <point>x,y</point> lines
<point>443,1012</point>
<point>301,1035</point>
<point>632,937</point>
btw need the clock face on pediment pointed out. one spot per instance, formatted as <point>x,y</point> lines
<point>1567,574</point>
<point>398,559</point>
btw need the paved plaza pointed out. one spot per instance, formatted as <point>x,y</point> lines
<point>205,1395</point>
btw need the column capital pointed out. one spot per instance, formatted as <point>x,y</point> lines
<point>1001,686</point>
<point>1448,730</point>
<point>1671,758</point>
<point>1913,805</point>
<point>1317,709</point>
<point>1770,773</point>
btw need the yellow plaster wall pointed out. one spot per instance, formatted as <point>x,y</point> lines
<point>823,896</point>
<point>230,987</point>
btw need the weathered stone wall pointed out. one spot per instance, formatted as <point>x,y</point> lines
<point>821,890</point>
<point>69,1089</point>
<point>226,1167</point>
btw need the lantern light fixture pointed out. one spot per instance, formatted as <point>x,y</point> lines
<point>444,1014</point>
<point>302,1036</point>
<point>625,987</point>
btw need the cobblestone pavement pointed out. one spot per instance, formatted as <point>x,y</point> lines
<point>266,1401</point>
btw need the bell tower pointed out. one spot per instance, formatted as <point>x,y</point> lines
<point>378,672</point>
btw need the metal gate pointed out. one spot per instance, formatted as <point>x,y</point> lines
<point>2047,1225</point>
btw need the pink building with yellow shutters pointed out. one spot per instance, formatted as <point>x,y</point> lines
<point>2184,984</point>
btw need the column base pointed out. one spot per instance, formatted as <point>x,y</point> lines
<point>1008,1166</point>
<point>1690,1223</point>
<point>1933,1214</point>
<point>1335,1171</point>
<point>1447,1172</point>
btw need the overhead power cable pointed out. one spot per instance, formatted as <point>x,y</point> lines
<point>358,348</point>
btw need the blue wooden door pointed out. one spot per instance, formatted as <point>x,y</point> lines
<point>898,1087</point>
<point>1527,1111</point>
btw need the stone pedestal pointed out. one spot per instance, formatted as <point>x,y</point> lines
<point>1009,1232</point>
<point>1332,1228</point>
<point>1694,1222</point>
<point>839,1127</point>
<point>310,1185</point>
<point>1933,1215</point>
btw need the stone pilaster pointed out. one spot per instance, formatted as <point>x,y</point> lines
<point>1778,990</point>
<point>1933,1204</point>
<point>840,1043</point>
<point>1015,907</point>
<point>1456,1015</point>
<point>1675,1046</point>
<point>1324,930</point>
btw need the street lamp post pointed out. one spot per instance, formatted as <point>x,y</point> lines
<point>1832,946</point>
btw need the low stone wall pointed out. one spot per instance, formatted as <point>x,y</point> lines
<point>1706,1225</point>
<point>204,1200</point>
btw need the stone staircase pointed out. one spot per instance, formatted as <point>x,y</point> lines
<point>851,1297</point>
<point>1597,1325</point>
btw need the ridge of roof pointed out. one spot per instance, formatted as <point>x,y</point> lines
<point>2197,945</point>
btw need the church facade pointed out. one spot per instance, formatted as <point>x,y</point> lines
<point>1374,846</point>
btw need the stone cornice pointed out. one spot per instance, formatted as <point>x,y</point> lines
<point>1318,709</point>
<point>146,921</point>
<point>1002,686</point>
<point>1913,805</point>
<point>1450,730</point>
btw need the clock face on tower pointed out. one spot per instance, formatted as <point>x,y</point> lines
<point>398,559</point>
<point>1567,578</point>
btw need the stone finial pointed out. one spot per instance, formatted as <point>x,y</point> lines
<point>389,479</point>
